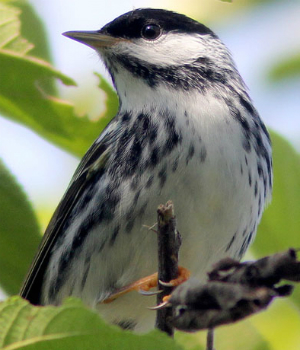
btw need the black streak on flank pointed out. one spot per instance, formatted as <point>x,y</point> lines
<point>237,115</point>
<point>162,175</point>
<point>247,241</point>
<point>230,243</point>
<point>142,209</point>
<point>259,206</point>
<point>136,197</point>
<point>259,170</point>
<point>114,235</point>
<point>247,105</point>
<point>149,181</point>
<point>134,155</point>
<point>191,153</point>
<point>123,142</point>
<point>87,225</point>
<point>255,189</point>
<point>67,257</point>
<point>126,117</point>
<point>203,154</point>
<point>250,179</point>
<point>245,245</point>
<point>131,144</point>
<point>129,225</point>
<point>260,148</point>
<point>173,137</point>
<point>175,164</point>
<point>246,145</point>
<point>87,264</point>
<point>108,205</point>
<point>145,129</point>
<point>152,134</point>
<point>265,187</point>
<point>154,157</point>
<point>134,182</point>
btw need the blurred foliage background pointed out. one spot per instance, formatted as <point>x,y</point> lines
<point>48,123</point>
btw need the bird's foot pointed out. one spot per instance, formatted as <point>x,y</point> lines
<point>183,275</point>
<point>143,285</point>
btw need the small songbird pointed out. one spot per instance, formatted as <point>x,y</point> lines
<point>186,131</point>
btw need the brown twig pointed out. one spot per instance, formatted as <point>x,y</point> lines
<point>168,247</point>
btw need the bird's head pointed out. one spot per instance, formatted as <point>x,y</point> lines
<point>160,49</point>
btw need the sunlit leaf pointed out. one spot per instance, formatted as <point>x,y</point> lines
<point>71,326</point>
<point>25,99</point>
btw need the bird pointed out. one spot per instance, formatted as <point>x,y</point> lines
<point>186,130</point>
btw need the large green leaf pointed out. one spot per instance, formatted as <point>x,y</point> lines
<point>32,28</point>
<point>24,93</point>
<point>19,233</point>
<point>280,226</point>
<point>71,326</point>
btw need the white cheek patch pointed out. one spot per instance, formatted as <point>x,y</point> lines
<point>169,50</point>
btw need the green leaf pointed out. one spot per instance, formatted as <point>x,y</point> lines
<point>25,99</point>
<point>19,233</point>
<point>288,68</point>
<point>10,30</point>
<point>280,226</point>
<point>32,28</point>
<point>70,326</point>
<point>279,325</point>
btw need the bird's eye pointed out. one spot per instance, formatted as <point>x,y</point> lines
<point>151,31</point>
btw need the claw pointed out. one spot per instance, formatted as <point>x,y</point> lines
<point>149,293</point>
<point>160,306</point>
<point>184,275</point>
<point>166,284</point>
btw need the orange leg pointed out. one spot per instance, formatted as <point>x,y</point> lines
<point>149,282</point>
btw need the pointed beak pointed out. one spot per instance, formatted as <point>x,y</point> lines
<point>94,40</point>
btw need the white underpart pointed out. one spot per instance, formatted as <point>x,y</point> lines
<point>212,200</point>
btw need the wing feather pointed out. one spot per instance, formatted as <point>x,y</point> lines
<point>90,165</point>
